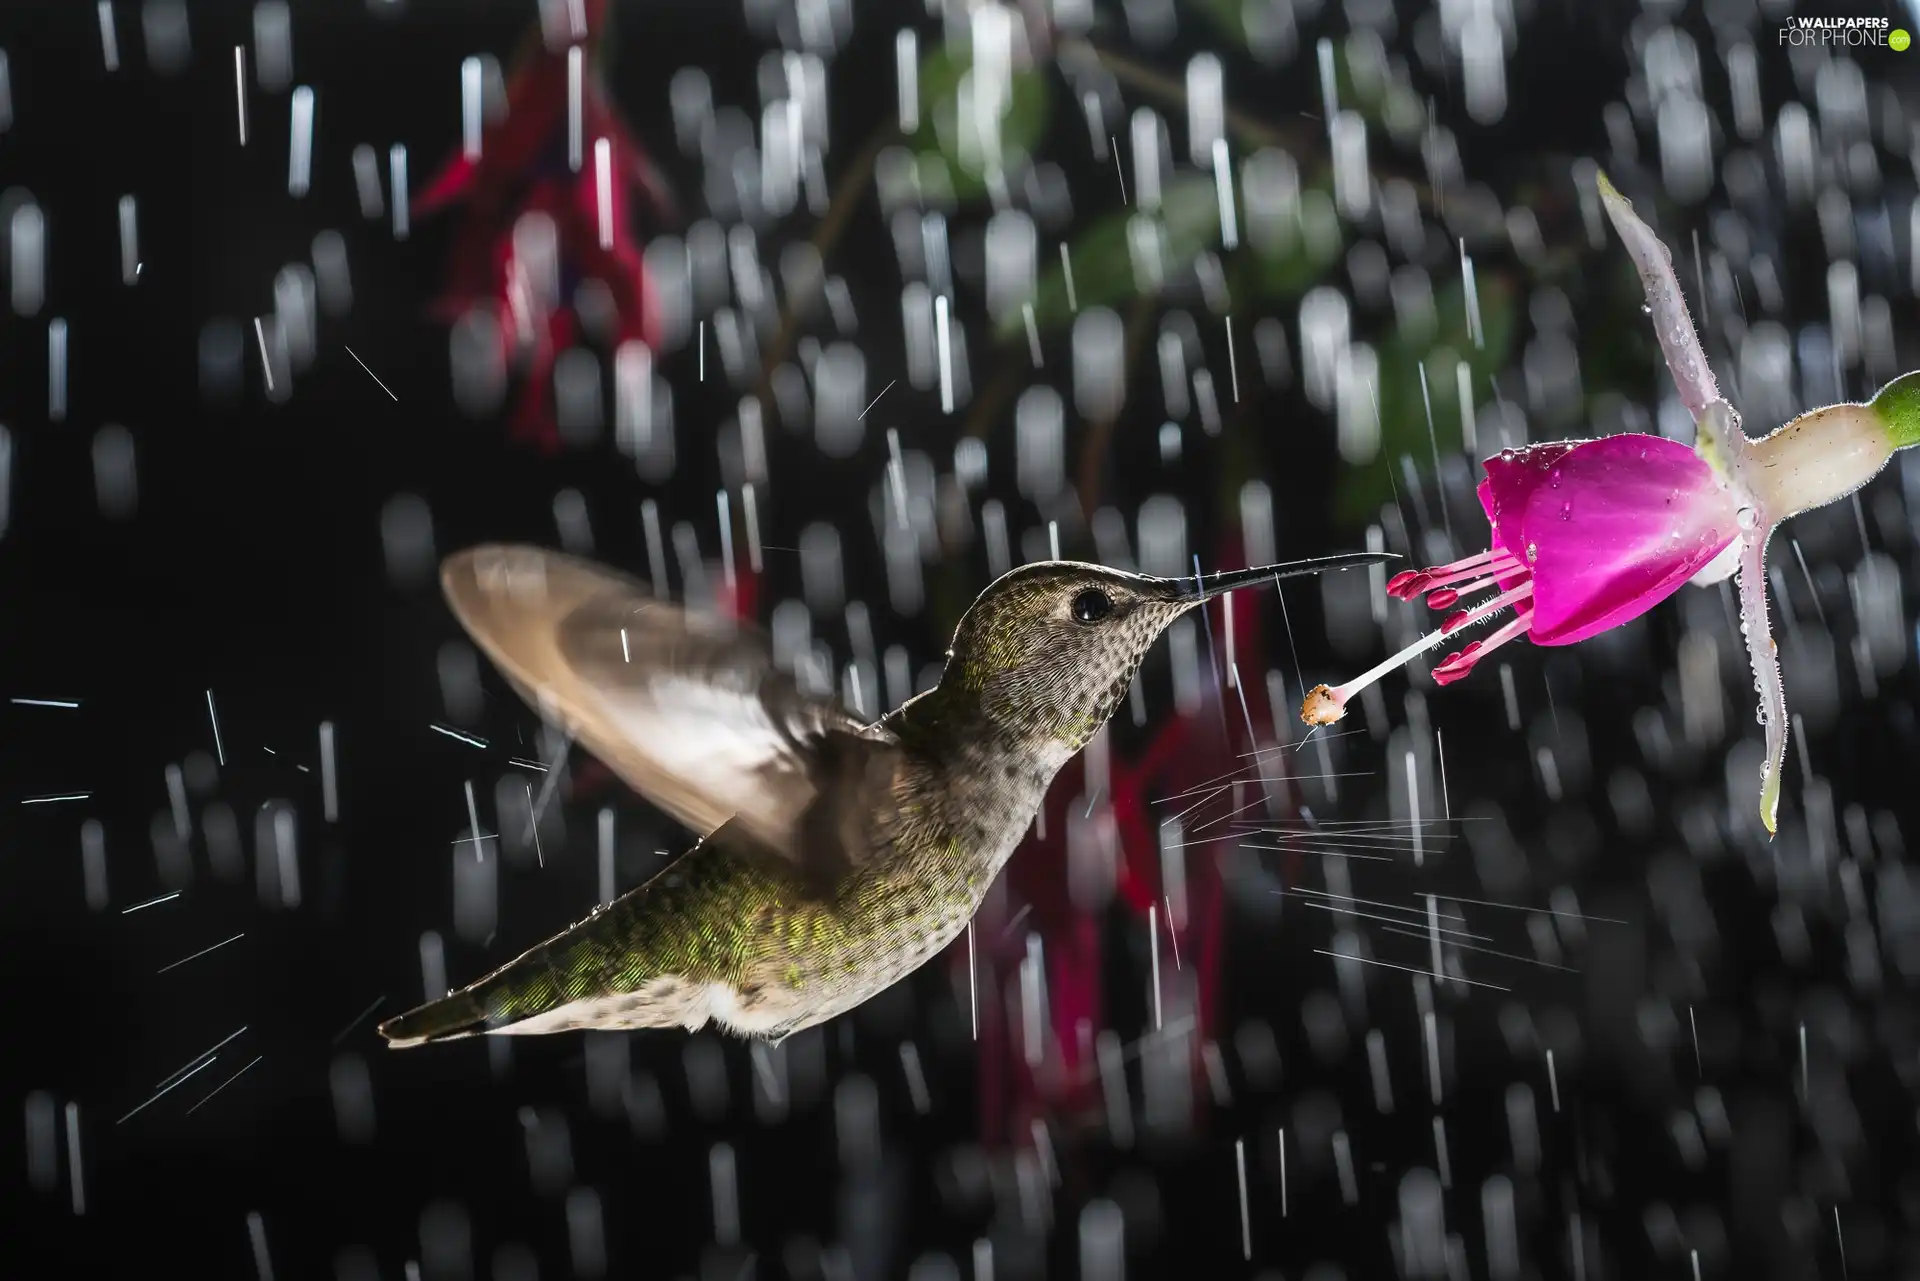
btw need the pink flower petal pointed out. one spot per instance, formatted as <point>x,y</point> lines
<point>1612,528</point>
<point>1674,327</point>
<point>1512,476</point>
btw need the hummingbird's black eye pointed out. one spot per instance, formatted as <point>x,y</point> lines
<point>1091,606</point>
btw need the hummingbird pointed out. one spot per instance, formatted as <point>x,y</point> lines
<point>836,856</point>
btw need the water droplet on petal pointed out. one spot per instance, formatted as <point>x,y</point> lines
<point>1533,552</point>
<point>1748,518</point>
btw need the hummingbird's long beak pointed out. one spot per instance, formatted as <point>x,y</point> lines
<point>1194,590</point>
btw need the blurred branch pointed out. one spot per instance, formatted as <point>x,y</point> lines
<point>1165,88</point>
<point>1094,452</point>
<point>1299,140</point>
<point>846,198</point>
<point>988,404</point>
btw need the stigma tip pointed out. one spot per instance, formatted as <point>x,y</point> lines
<point>1321,707</point>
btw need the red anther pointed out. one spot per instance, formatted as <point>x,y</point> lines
<point>1450,659</point>
<point>1443,598</point>
<point>1473,647</point>
<point>1448,675</point>
<point>1396,586</point>
<point>1415,585</point>
<point>1456,622</point>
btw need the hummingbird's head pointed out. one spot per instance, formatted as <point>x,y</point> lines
<point>1050,649</point>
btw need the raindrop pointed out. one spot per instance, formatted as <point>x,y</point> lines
<point>115,482</point>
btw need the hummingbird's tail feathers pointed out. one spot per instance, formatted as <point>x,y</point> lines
<point>447,1019</point>
<point>555,987</point>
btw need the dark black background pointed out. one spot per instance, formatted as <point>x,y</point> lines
<point>254,569</point>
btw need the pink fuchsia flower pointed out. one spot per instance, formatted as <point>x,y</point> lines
<point>1600,531</point>
<point>1818,458</point>
<point>1586,535</point>
<point>1590,534</point>
<point>528,173</point>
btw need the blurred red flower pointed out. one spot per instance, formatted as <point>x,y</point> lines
<point>526,167</point>
<point>1188,754</point>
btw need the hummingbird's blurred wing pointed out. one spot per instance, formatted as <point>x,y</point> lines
<point>688,709</point>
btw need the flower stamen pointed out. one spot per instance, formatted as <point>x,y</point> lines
<point>1494,563</point>
<point>1486,609</point>
<point>1458,665</point>
<point>1446,596</point>
<point>1326,704</point>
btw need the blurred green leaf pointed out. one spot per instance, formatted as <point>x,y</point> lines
<point>1287,270</point>
<point>1103,274</point>
<point>1189,219</point>
<point>1366,83</point>
<point>1403,412</point>
<point>1228,18</point>
<point>1632,359</point>
<point>942,71</point>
